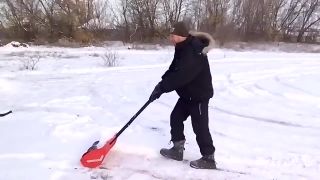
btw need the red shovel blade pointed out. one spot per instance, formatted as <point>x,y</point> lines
<point>94,157</point>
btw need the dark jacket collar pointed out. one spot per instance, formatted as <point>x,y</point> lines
<point>182,44</point>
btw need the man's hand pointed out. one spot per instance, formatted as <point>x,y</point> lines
<point>156,93</point>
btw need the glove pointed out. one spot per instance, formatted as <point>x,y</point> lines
<point>156,93</point>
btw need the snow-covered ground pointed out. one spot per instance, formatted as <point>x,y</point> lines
<point>264,117</point>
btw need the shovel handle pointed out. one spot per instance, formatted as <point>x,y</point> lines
<point>130,121</point>
<point>4,114</point>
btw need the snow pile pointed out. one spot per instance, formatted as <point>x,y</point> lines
<point>16,44</point>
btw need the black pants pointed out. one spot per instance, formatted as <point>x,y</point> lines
<point>200,123</point>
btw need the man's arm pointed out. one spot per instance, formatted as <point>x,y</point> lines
<point>168,71</point>
<point>186,70</point>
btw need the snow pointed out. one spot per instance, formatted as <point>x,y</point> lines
<point>15,44</point>
<point>264,117</point>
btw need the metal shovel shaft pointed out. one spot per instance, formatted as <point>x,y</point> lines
<point>130,121</point>
<point>4,114</point>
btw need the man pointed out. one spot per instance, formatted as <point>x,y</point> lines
<point>189,75</point>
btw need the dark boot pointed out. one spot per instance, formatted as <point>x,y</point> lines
<point>176,152</point>
<point>206,162</point>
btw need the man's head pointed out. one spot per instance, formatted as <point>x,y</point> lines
<point>179,33</point>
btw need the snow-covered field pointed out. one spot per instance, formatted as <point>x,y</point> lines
<point>264,117</point>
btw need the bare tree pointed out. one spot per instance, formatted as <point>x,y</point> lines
<point>14,13</point>
<point>144,13</point>
<point>257,18</point>
<point>20,15</point>
<point>272,17</point>
<point>50,8</point>
<point>308,17</point>
<point>289,17</point>
<point>96,17</point>
<point>213,14</point>
<point>152,16</point>
<point>147,20</point>
<point>121,19</point>
<point>33,17</point>
<point>172,10</point>
<point>236,17</point>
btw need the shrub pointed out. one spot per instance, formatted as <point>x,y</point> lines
<point>110,58</point>
<point>30,63</point>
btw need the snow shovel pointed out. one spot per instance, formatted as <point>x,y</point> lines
<point>95,156</point>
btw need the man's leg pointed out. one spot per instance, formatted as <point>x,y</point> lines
<point>200,124</point>
<point>179,114</point>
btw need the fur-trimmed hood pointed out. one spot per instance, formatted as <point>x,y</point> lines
<point>206,39</point>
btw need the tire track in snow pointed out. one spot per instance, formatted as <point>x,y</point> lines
<point>278,122</point>
<point>293,87</point>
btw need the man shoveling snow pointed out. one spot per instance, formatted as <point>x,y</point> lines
<point>189,75</point>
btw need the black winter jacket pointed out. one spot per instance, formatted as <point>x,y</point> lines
<point>189,73</point>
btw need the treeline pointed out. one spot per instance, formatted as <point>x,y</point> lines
<point>87,21</point>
